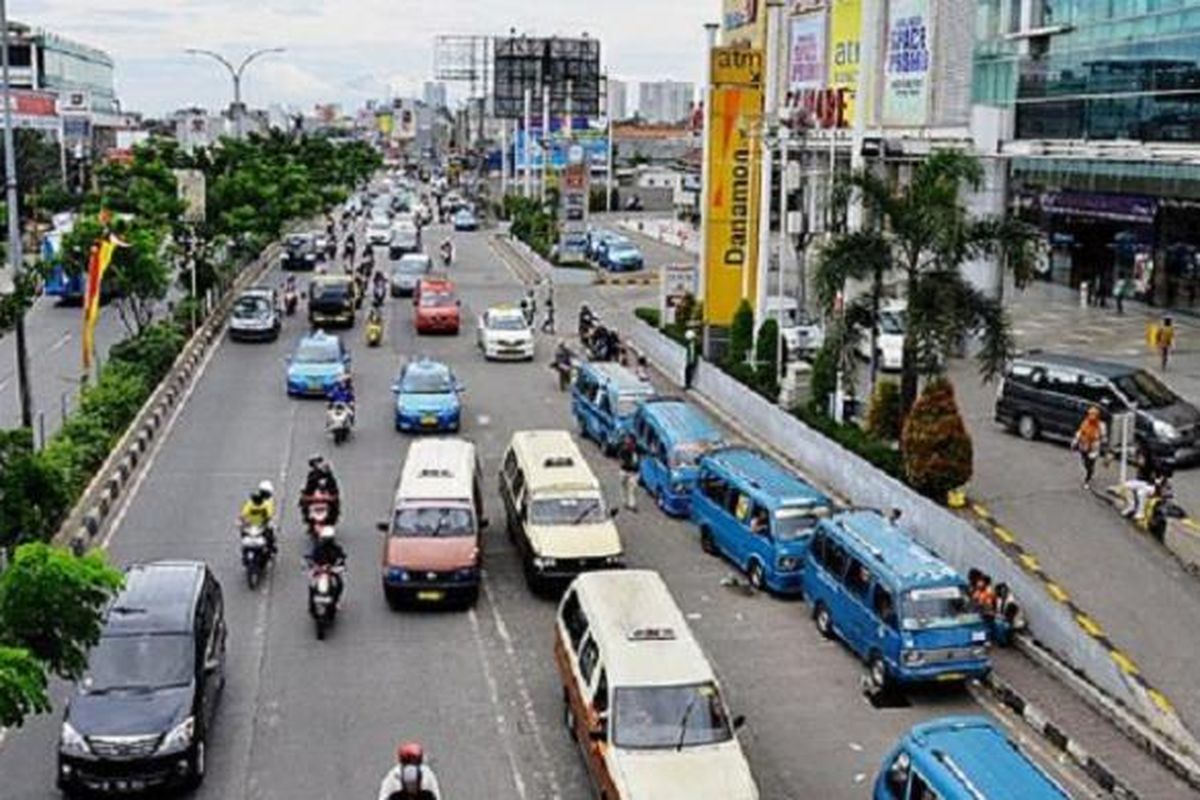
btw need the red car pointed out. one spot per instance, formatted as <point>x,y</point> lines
<point>437,306</point>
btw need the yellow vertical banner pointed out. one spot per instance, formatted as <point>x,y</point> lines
<point>734,169</point>
<point>845,42</point>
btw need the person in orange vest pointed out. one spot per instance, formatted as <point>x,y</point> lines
<point>1164,340</point>
<point>1089,442</point>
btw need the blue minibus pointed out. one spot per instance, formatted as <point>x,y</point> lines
<point>756,513</point>
<point>604,397</point>
<point>671,437</point>
<point>903,610</point>
<point>962,758</point>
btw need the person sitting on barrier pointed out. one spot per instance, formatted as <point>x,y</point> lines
<point>984,596</point>
<point>1008,619</point>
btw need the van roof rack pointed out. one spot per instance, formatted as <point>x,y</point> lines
<point>558,461</point>
<point>649,634</point>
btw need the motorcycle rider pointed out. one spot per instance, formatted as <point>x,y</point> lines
<point>259,511</point>
<point>321,480</point>
<point>343,392</point>
<point>379,288</point>
<point>411,777</point>
<point>447,250</point>
<point>327,552</point>
<point>562,364</point>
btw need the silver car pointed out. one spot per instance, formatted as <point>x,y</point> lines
<point>255,316</point>
<point>406,272</point>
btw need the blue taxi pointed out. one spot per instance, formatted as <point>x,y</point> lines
<point>318,361</point>
<point>428,397</point>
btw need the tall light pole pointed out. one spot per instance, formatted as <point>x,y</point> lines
<point>236,74</point>
<point>14,225</point>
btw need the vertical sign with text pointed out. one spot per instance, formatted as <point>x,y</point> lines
<point>845,41</point>
<point>906,70</point>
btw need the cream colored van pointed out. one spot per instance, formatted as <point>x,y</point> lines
<point>555,508</point>
<point>640,697</point>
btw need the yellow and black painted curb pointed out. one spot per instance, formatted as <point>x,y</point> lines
<point>1029,563</point>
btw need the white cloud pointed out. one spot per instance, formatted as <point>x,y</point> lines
<point>345,50</point>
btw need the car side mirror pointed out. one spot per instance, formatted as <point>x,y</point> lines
<point>739,722</point>
<point>382,526</point>
<point>395,388</point>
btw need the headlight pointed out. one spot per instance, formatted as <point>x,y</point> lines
<point>544,563</point>
<point>397,574</point>
<point>913,657</point>
<point>1165,430</point>
<point>979,651</point>
<point>614,561</point>
<point>467,573</point>
<point>180,738</point>
<point>788,563</point>
<point>71,742</point>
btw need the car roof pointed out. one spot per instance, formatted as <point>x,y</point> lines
<point>681,419</point>
<point>890,552</point>
<point>980,759</point>
<point>644,638</point>
<point>771,482</point>
<point>428,366</point>
<point>444,284</point>
<point>158,597</point>
<point>437,469</point>
<point>553,462</point>
<point>626,381</point>
<point>1107,369</point>
<point>506,309</point>
<point>319,337</point>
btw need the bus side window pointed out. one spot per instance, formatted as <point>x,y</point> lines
<point>574,620</point>
<point>818,548</point>
<point>600,696</point>
<point>920,790</point>
<point>836,560</point>
<point>588,658</point>
<point>885,607</point>
<point>714,488</point>
<point>858,579</point>
<point>896,780</point>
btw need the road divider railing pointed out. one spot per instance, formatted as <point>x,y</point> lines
<point>1056,622</point>
<point>100,499</point>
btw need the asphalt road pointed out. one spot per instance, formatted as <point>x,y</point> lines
<point>309,719</point>
<point>52,338</point>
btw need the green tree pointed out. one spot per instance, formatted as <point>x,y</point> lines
<point>32,491</point>
<point>766,355</point>
<point>22,687</point>
<point>935,444</point>
<point>924,235</point>
<point>741,334</point>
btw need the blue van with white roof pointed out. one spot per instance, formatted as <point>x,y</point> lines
<point>758,514</point>
<point>604,397</point>
<point>962,758</point>
<point>671,437</point>
<point>903,610</point>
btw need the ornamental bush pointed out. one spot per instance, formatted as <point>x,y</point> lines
<point>935,444</point>
<point>883,415</point>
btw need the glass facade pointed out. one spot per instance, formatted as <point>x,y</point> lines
<point>66,66</point>
<point>1102,69</point>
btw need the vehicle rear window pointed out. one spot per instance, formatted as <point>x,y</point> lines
<point>433,523</point>
<point>431,299</point>
<point>139,663</point>
<point>329,291</point>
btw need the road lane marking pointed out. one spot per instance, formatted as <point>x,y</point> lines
<point>66,337</point>
<point>494,693</point>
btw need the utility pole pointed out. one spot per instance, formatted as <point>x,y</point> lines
<point>236,74</point>
<point>15,257</point>
<point>770,129</point>
<point>706,95</point>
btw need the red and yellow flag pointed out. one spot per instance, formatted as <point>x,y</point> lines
<point>98,261</point>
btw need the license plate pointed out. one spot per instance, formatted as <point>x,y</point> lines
<point>429,420</point>
<point>951,676</point>
<point>431,596</point>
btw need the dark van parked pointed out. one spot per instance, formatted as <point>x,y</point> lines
<point>1047,394</point>
<point>139,719</point>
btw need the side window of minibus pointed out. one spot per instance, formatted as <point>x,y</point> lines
<point>600,696</point>
<point>713,487</point>
<point>603,402</point>
<point>518,483</point>
<point>858,579</point>
<point>920,790</point>
<point>896,779</point>
<point>575,620</point>
<point>885,606</point>
<point>835,560</point>
<point>588,658</point>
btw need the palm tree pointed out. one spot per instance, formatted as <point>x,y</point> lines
<point>923,234</point>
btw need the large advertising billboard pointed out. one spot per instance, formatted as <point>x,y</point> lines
<point>730,259</point>
<point>806,54</point>
<point>568,68</point>
<point>593,142</point>
<point>845,38</point>
<point>744,23</point>
<point>907,64</point>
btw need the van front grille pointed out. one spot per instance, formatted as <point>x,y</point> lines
<point>124,746</point>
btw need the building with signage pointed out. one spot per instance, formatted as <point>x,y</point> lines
<point>665,101</point>
<point>1095,107</point>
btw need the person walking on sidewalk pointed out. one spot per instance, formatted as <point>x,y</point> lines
<point>548,322</point>
<point>1089,443</point>
<point>693,356</point>
<point>1164,340</point>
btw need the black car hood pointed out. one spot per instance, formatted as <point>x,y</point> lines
<point>130,713</point>
<point>1180,414</point>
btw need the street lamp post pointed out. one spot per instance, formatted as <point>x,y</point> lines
<point>14,225</point>
<point>236,74</point>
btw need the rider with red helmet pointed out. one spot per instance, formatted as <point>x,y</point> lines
<point>411,778</point>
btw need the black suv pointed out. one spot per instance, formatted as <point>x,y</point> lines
<point>139,719</point>
<point>299,252</point>
<point>1047,394</point>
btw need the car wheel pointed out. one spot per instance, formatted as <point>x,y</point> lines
<point>1027,427</point>
<point>755,574</point>
<point>877,676</point>
<point>823,621</point>
<point>706,542</point>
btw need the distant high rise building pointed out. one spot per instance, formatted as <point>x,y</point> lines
<point>435,94</point>
<point>618,99</point>
<point>665,101</point>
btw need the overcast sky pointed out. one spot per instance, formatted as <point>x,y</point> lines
<point>349,50</point>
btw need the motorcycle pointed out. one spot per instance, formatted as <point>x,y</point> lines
<point>339,420</point>
<point>317,510</point>
<point>587,321</point>
<point>322,595</point>
<point>602,344</point>
<point>256,553</point>
<point>291,299</point>
<point>374,332</point>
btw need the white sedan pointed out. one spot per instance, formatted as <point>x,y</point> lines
<point>504,334</point>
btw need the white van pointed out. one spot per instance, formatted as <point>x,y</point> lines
<point>641,698</point>
<point>556,511</point>
<point>432,548</point>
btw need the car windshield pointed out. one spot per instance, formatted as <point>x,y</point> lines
<point>431,523</point>
<point>412,266</point>
<point>506,322</point>
<point>1146,390</point>
<point>568,511</point>
<point>426,382</point>
<point>312,352</point>
<point>943,607</point>
<point>798,521</point>
<point>891,323</point>
<point>431,299</point>
<point>139,663</point>
<point>622,248</point>
<point>655,717</point>
<point>251,307</point>
<point>329,291</point>
<point>297,242</point>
